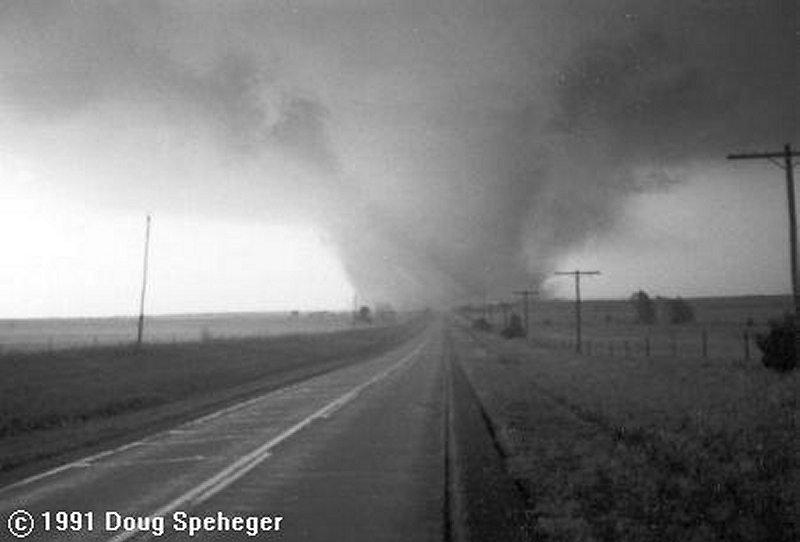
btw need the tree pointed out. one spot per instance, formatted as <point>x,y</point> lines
<point>644,308</point>
<point>679,311</point>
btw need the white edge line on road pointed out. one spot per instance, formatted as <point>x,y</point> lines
<point>85,462</point>
<point>246,463</point>
<point>78,463</point>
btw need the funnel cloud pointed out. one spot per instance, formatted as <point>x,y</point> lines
<point>451,150</point>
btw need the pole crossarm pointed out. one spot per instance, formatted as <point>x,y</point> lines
<point>577,273</point>
<point>746,156</point>
<point>787,154</point>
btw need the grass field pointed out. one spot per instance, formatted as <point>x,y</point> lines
<point>66,401</point>
<point>48,334</point>
<point>642,449</point>
<point>728,326</point>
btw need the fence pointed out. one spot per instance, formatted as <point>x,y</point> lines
<point>696,343</point>
<point>702,341</point>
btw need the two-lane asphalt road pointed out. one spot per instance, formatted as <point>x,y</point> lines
<point>355,454</point>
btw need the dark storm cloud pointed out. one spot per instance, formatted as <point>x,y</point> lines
<point>452,149</point>
<point>66,57</point>
<point>691,79</point>
<point>653,88</point>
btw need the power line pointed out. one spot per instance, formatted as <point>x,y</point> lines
<point>577,274</point>
<point>787,165</point>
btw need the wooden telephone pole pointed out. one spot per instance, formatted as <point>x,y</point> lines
<point>140,329</point>
<point>577,274</point>
<point>787,164</point>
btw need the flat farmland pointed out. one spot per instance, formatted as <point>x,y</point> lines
<point>636,448</point>
<point>724,328</point>
<point>65,402</point>
<point>38,334</point>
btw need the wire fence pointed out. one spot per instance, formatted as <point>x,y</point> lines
<point>693,343</point>
<point>699,340</point>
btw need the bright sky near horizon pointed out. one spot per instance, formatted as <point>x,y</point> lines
<point>68,259</point>
<point>718,235</point>
<point>65,259</point>
<point>296,154</point>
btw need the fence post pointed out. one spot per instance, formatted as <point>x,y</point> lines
<point>647,346</point>
<point>674,345</point>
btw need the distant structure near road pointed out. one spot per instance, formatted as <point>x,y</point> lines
<point>363,315</point>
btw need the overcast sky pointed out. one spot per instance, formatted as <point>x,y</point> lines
<point>295,152</point>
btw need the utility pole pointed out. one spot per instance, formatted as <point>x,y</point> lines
<point>577,274</point>
<point>526,308</point>
<point>787,165</point>
<point>140,329</point>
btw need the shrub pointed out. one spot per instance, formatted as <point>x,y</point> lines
<point>679,311</point>
<point>778,345</point>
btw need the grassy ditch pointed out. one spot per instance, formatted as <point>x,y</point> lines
<point>56,404</point>
<point>634,449</point>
